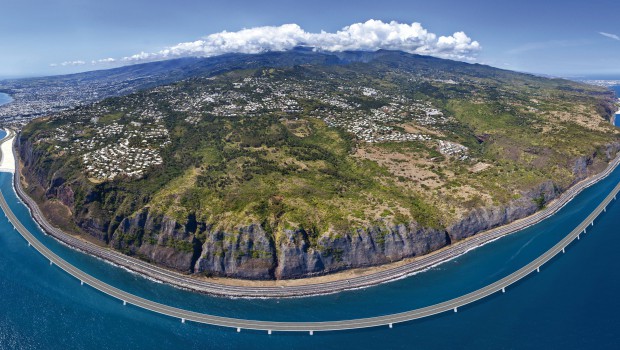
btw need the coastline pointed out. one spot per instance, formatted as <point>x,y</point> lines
<point>315,325</point>
<point>326,284</point>
<point>7,161</point>
<point>8,100</point>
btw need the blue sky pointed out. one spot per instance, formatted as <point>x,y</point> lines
<point>534,36</point>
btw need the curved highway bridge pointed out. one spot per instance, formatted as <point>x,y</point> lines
<point>269,326</point>
<point>204,286</point>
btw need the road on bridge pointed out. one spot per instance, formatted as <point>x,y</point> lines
<point>269,326</point>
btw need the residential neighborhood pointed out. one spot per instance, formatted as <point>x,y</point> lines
<point>127,140</point>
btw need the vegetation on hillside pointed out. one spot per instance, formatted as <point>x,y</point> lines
<point>325,147</point>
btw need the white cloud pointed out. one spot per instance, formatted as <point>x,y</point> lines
<point>371,35</point>
<point>68,63</point>
<point>103,60</point>
<point>609,35</point>
<point>142,56</point>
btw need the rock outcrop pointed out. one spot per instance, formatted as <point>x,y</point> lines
<point>248,253</point>
<point>251,252</point>
<point>482,219</point>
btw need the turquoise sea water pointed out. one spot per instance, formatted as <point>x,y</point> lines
<point>4,98</point>
<point>571,304</point>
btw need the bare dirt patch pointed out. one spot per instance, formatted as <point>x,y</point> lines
<point>583,116</point>
<point>410,166</point>
<point>480,166</point>
<point>298,127</point>
<point>418,129</point>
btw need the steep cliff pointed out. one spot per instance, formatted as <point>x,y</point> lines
<point>251,252</point>
<point>316,164</point>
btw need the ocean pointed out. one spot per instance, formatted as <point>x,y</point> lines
<point>4,98</point>
<point>571,304</point>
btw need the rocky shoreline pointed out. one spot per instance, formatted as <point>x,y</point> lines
<point>252,253</point>
<point>489,217</point>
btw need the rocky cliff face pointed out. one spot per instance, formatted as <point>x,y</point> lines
<point>253,253</point>
<point>369,247</point>
<point>586,165</point>
<point>157,238</point>
<point>248,253</point>
<point>482,219</point>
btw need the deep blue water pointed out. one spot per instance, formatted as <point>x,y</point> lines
<point>571,304</point>
<point>4,98</point>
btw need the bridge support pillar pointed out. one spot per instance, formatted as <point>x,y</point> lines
<point>563,251</point>
<point>503,290</point>
<point>29,244</point>
<point>182,320</point>
<point>269,332</point>
<point>81,283</point>
<point>578,237</point>
<point>605,209</point>
<point>124,303</point>
<point>51,263</point>
<point>592,223</point>
<point>391,325</point>
<point>538,269</point>
<point>238,330</point>
<point>456,309</point>
<point>311,332</point>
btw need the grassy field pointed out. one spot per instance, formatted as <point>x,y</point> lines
<point>289,170</point>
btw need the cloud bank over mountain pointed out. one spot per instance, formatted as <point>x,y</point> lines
<point>371,35</point>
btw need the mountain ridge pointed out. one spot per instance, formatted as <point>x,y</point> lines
<point>302,169</point>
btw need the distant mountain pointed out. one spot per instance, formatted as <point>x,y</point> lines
<point>38,96</point>
<point>293,164</point>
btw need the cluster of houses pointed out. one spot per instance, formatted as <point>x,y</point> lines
<point>452,149</point>
<point>380,124</point>
<point>131,148</point>
<point>255,95</point>
<point>108,162</point>
<point>110,150</point>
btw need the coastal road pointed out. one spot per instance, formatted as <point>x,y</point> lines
<point>6,155</point>
<point>311,327</point>
<point>269,326</point>
<point>390,274</point>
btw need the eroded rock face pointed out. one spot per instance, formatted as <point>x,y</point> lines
<point>378,245</point>
<point>593,163</point>
<point>34,174</point>
<point>66,195</point>
<point>254,255</point>
<point>248,253</point>
<point>157,238</point>
<point>482,219</point>
<point>251,252</point>
<point>296,257</point>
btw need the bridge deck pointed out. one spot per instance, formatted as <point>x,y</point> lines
<point>186,315</point>
<point>387,320</point>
